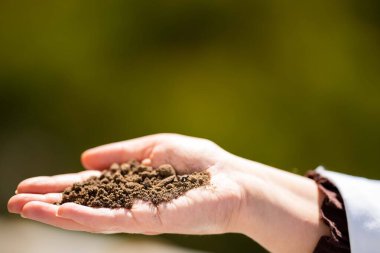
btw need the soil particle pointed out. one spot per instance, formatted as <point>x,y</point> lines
<point>124,183</point>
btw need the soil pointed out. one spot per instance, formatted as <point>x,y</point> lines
<point>124,183</point>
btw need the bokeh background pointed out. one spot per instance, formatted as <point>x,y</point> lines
<point>293,84</point>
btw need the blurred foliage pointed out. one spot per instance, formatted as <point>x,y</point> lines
<point>291,84</point>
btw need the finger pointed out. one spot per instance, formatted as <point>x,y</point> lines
<point>46,213</point>
<point>17,202</point>
<point>102,157</point>
<point>101,219</point>
<point>46,184</point>
<point>140,219</point>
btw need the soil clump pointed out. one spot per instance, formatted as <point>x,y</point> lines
<point>124,183</point>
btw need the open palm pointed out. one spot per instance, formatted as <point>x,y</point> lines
<point>205,210</point>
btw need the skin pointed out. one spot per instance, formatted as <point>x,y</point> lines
<point>277,209</point>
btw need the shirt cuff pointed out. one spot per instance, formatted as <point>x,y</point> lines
<point>333,214</point>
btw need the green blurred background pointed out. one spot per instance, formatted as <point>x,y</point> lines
<point>292,84</point>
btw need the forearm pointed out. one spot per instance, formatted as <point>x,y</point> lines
<point>279,210</point>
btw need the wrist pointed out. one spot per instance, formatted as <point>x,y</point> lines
<point>279,210</point>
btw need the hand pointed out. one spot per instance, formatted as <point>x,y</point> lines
<point>279,210</point>
<point>209,210</point>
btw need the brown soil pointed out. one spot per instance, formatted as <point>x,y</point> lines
<point>122,184</point>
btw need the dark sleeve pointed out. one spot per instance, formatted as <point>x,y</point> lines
<point>334,216</point>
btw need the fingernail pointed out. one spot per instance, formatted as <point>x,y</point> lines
<point>16,192</point>
<point>146,161</point>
